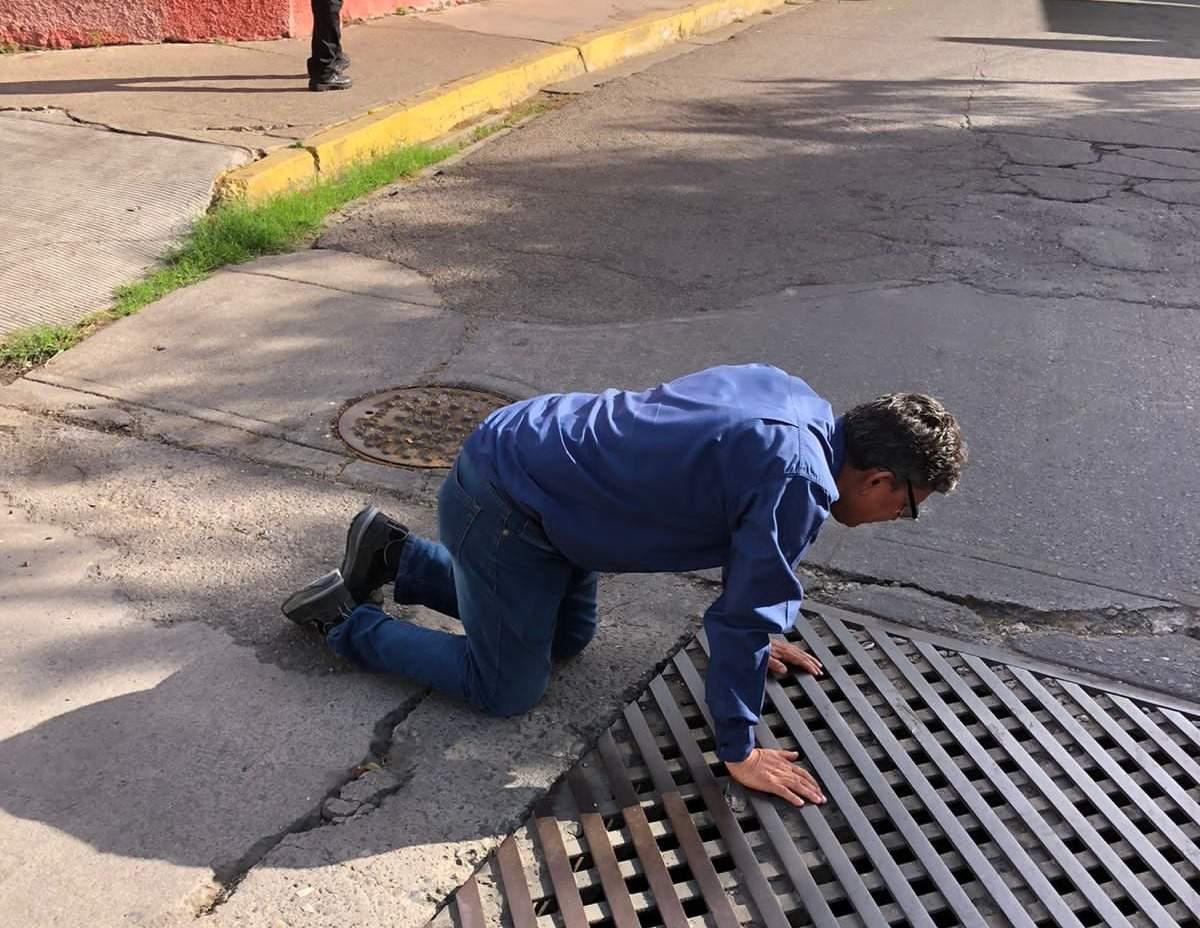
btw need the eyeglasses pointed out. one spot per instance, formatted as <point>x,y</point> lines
<point>912,501</point>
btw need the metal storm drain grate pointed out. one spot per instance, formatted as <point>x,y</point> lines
<point>415,426</point>
<point>962,790</point>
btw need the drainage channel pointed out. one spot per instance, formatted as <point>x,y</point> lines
<point>964,789</point>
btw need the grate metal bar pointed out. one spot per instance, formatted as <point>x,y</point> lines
<point>1164,743</point>
<point>615,890</point>
<point>929,857</point>
<point>681,821</point>
<point>1061,803</point>
<point>855,887</point>
<point>965,790</point>
<point>1037,823</point>
<point>781,842</point>
<point>516,890</point>
<point>470,907</point>
<point>1012,907</point>
<point>896,881</point>
<point>970,795</point>
<point>1184,726</point>
<point>756,884</point>
<point>565,889</point>
<point>1186,847</point>
<point>1112,811</point>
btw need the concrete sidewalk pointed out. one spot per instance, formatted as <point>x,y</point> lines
<point>254,96</point>
<point>145,131</point>
<point>166,736</point>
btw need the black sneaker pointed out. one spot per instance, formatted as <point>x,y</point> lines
<point>373,544</point>
<point>331,82</point>
<point>322,604</point>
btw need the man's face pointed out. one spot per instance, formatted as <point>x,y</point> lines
<point>875,496</point>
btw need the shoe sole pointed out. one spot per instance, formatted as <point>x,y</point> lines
<point>299,606</point>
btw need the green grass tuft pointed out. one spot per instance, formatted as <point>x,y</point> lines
<point>235,232</point>
<point>30,347</point>
<point>229,234</point>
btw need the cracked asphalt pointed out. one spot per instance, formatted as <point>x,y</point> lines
<point>996,203</point>
<point>879,196</point>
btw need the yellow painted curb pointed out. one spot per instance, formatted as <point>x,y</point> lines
<point>658,30</point>
<point>278,171</point>
<point>438,111</point>
<point>435,113</point>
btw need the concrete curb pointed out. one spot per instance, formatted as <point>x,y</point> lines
<point>440,110</point>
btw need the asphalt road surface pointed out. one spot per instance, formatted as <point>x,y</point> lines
<point>994,202</point>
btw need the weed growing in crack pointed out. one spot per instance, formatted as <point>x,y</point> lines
<point>516,115</point>
<point>29,347</point>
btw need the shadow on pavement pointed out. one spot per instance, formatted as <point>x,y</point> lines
<point>177,716</point>
<point>1065,214</point>
<point>170,773</point>
<point>174,83</point>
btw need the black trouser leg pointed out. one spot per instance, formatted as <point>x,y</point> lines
<point>327,57</point>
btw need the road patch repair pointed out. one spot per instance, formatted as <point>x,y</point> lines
<point>966,788</point>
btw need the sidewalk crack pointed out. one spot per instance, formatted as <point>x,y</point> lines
<point>332,809</point>
<point>117,130</point>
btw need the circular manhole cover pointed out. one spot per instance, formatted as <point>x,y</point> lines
<point>415,426</point>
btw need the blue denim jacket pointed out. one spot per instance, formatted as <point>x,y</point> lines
<point>731,467</point>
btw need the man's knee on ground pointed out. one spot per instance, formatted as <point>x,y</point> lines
<point>565,650</point>
<point>506,703</point>
<point>570,642</point>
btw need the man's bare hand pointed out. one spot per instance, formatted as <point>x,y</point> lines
<point>771,771</point>
<point>784,653</point>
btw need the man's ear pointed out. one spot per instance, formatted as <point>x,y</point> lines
<point>878,476</point>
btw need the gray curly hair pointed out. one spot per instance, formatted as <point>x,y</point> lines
<point>910,434</point>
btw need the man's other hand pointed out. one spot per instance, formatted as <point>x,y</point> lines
<point>771,771</point>
<point>784,653</point>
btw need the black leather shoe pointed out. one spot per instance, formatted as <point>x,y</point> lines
<point>373,544</point>
<point>322,604</point>
<point>332,82</point>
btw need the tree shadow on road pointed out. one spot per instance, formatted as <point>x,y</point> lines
<point>1059,218</point>
<point>169,740</point>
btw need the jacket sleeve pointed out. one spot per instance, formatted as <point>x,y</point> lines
<point>761,597</point>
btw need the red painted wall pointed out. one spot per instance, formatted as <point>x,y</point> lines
<point>353,9</point>
<point>68,23</point>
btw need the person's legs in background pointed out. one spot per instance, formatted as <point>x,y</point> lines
<point>328,63</point>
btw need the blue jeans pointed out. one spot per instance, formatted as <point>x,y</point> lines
<point>521,603</point>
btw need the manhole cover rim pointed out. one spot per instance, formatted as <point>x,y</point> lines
<point>360,423</point>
